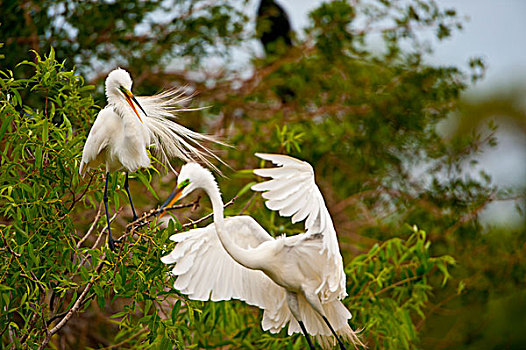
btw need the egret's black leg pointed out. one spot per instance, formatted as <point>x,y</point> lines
<point>135,217</point>
<point>334,333</point>
<point>311,346</point>
<point>111,241</point>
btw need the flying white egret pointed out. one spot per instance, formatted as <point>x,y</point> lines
<point>297,280</point>
<point>120,135</point>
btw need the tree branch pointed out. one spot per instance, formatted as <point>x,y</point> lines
<point>92,227</point>
<point>154,212</point>
<point>81,300</point>
<point>8,247</point>
<point>76,306</point>
<point>75,200</point>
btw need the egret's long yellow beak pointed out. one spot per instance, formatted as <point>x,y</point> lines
<point>130,99</point>
<point>173,198</point>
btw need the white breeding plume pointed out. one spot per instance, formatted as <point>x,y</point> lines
<point>297,280</point>
<point>121,134</point>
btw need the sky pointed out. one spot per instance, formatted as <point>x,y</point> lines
<point>496,31</point>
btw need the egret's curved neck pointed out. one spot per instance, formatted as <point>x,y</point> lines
<point>240,255</point>
<point>122,108</point>
<point>113,98</point>
<point>217,203</point>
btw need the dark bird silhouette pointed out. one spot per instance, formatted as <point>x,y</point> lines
<point>273,28</point>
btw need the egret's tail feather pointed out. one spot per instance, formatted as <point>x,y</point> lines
<point>346,334</point>
<point>171,140</point>
<point>337,314</point>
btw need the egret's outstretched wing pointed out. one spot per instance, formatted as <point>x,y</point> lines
<point>170,139</point>
<point>293,192</point>
<point>205,271</point>
<point>106,125</point>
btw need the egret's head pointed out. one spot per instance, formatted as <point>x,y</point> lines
<point>191,177</point>
<point>118,91</point>
<point>117,78</point>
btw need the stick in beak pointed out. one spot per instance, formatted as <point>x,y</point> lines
<point>129,98</point>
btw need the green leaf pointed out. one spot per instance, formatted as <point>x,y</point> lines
<point>245,189</point>
<point>45,131</point>
<point>5,124</point>
<point>146,183</point>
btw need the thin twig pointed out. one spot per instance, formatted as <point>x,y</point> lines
<point>93,225</point>
<point>192,223</point>
<point>433,309</point>
<point>8,247</point>
<point>154,212</point>
<point>247,204</point>
<point>405,280</point>
<point>84,258</point>
<point>53,318</point>
<point>75,200</point>
<point>469,216</point>
<point>127,340</point>
<point>30,275</point>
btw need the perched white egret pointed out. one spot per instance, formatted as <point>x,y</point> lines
<point>297,280</point>
<point>120,135</point>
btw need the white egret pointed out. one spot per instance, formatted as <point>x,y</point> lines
<point>120,135</point>
<point>297,280</point>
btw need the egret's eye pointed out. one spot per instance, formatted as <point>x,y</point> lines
<point>184,184</point>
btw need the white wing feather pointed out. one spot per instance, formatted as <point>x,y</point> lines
<point>205,271</point>
<point>117,142</point>
<point>293,192</point>
<point>106,125</point>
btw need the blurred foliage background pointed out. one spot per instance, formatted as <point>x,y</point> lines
<point>423,272</point>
